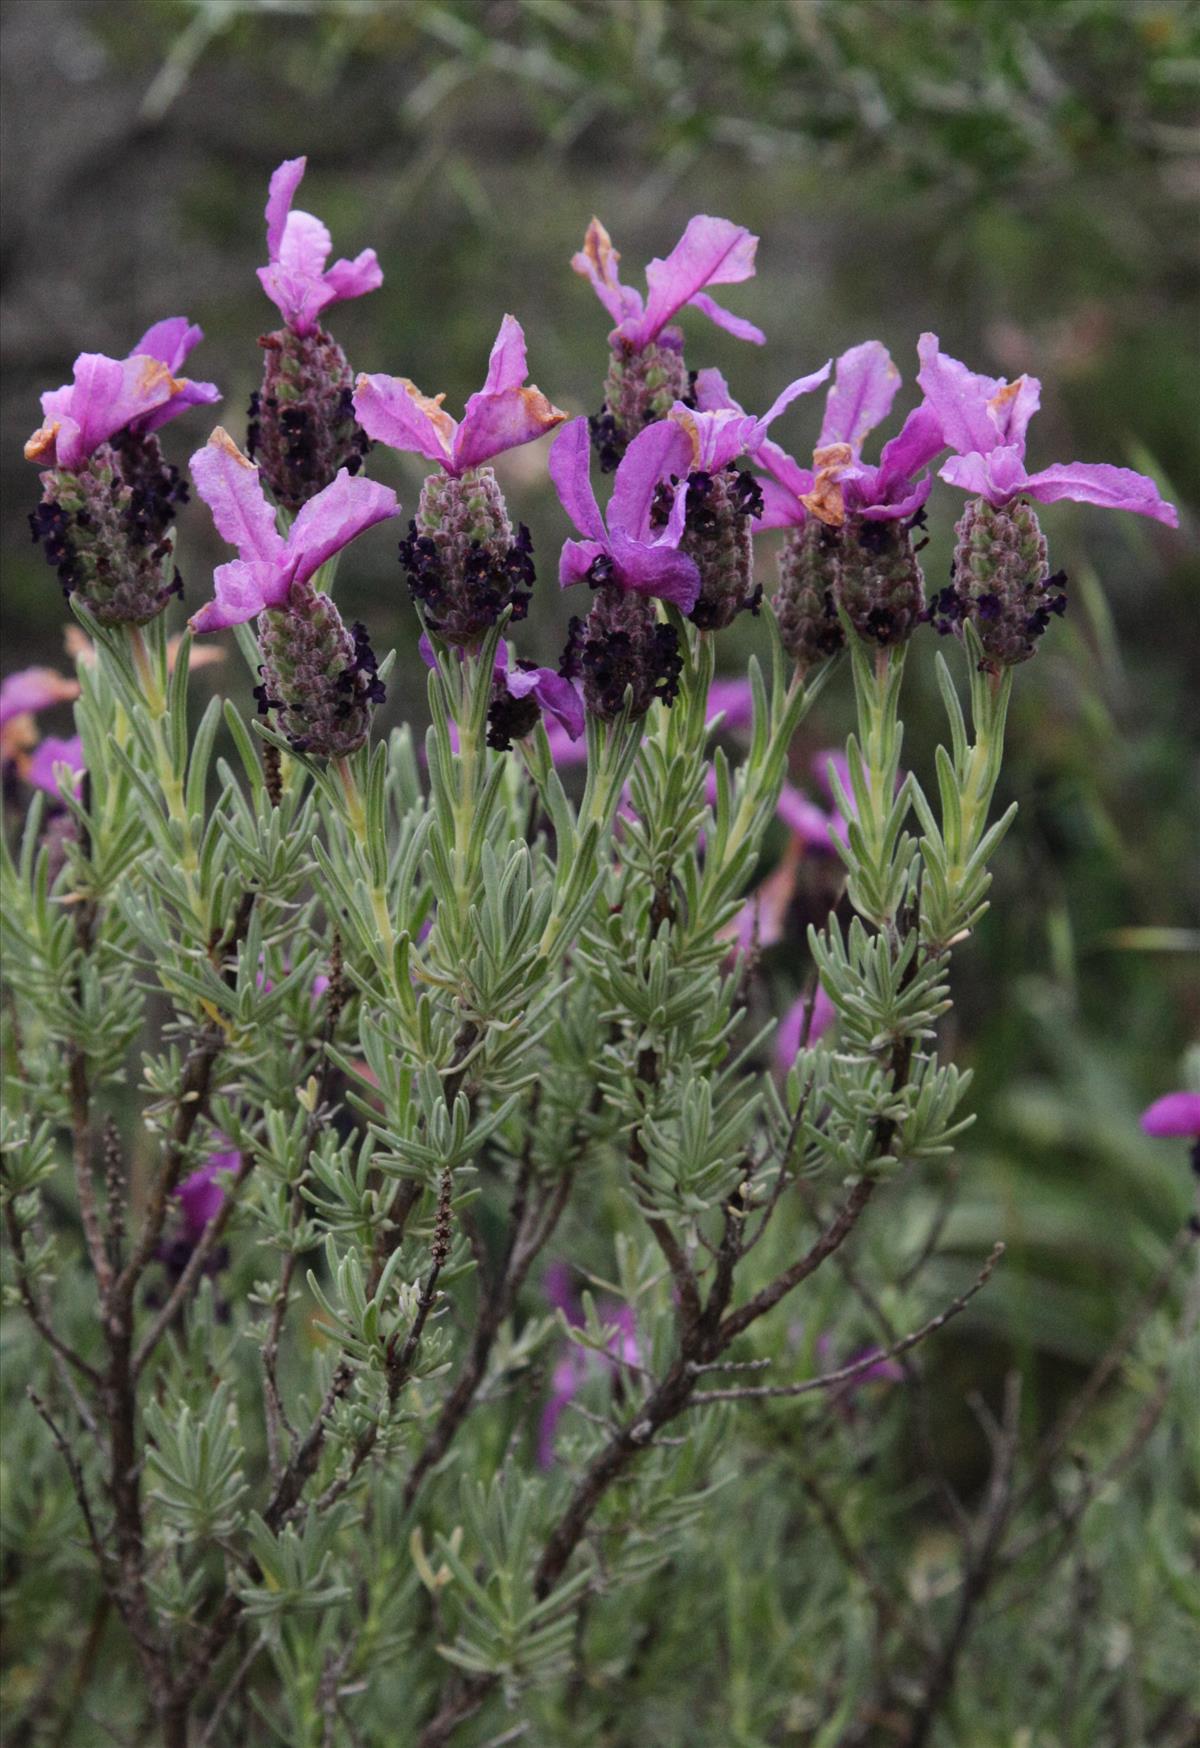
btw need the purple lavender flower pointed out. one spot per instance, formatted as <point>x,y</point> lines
<point>622,646</point>
<point>577,1364</point>
<point>269,564</point>
<point>646,371</point>
<point>465,565</point>
<point>201,1196</point>
<point>319,677</point>
<point>503,415</point>
<point>1001,578</point>
<point>711,251</point>
<point>985,420</point>
<point>521,694</point>
<point>296,278</point>
<point>109,395</point>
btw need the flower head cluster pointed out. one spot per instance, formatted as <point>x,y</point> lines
<point>318,676</point>
<point>647,374</point>
<point>465,565</point>
<point>108,497</point>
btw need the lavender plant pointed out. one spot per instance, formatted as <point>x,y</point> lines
<point>408,1194</point>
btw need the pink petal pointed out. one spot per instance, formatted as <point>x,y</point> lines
<point>34,689</point>
<point>803,385</point>
<point>555,695</point>
<point>570,469</point>
<point>864,388</point>
<point>507,366</point>
<point>494,423</point>
<point>346,279</point>
<point>781,507</point>
<point>810,823</point>
<point>170,340</point>
<point>598,261</point>
<point>715,438</point>
<point>655,570</point>
<point>712,393</point>
<point>299,298</point>
<point>1176,1113</point>
<point>977,413</point>
<point>325,524</point>
<point>732,700</point>
<point>241,590</point>
<point>577,559</point>
<point>711,251</point>
<point>1116,488</point>
<point>660,450</point>
<point>229,484</point>
<point>393,410</point>
<point>52,751</point>
<point>190,394</point>
<point>791,1027</point>
<point>996,477</point>
<point>284,183</point>
<point>106,395</point>
<point>738,326</point>
<point>920,438</point>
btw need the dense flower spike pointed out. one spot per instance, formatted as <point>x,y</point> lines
<point>302,430</point>
<point>622,644</point>
<point>465,566</point>
<point>108,497</point>
<point>1001,578</point>
<point>320,677</point>
<point>647,374</point>
<point>296,278</point>
<point>862,557</point>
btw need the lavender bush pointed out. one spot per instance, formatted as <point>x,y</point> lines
<point>437,1271</point>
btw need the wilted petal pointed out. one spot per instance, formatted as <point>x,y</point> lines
<point>494,423</point>
<point>598,261</point>
<point>570,470</point>
<point>715,438</point>
<point>346,508</point>
<point>240,592</point>
<point>711,251</point>
<point>34,689</point>
<point>48,754</point>
<point>657,570</point>
<point>284,183</point>
<point>738,326</point>
<point>393,410</point>
<point>1176,1113</point>
<point>228,482</point>
<point>577,559</point>
<point>864,387</point>
<point>662,449</point>
<point>1116,488</point>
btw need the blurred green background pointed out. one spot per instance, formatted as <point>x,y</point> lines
<point>1019,175</point>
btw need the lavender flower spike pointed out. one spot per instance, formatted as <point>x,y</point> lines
<point>503,415</point>
<point>296,278</point>
<point>268,565</point>
<point>319,678</point>
<point>985,420</point>
<point>711,251</point>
